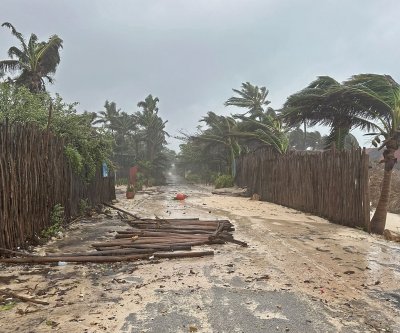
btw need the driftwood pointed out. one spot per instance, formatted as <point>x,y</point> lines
<point>47,259</point>
<point>153,248</point>
<point>106,252</point>
<point>160,255</point>
<point>121,210</point>
<point>22,298</point>
<point>231,191</point>
<point>149,238</point>
<point>18,253</point>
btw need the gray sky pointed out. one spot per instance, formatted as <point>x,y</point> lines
<point>191,53</point>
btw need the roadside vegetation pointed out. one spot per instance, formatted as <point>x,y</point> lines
<point>369,102</point>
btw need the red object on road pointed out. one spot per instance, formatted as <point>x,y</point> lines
<point>180,196</point>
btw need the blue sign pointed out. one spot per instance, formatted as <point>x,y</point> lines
<point>105,170</point>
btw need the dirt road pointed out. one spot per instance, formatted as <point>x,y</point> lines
<point>299,274</point>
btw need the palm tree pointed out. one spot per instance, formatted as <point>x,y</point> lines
<point>152,127</point>
<point>34,61</point>
<point>267,131</point>
<point>252,98</point>
<point>108,116</point>
<point>149,105</point>
<point>370,102</point>
<point>221,138</point>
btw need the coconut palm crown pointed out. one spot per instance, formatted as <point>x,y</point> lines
<point>370,102</point>
<point>34,61</point>
<point>252,98</point>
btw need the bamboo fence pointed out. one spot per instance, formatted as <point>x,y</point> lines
<point>35,175</point>
<point>332,184</point>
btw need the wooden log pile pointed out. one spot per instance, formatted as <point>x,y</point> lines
<point>148,239</point>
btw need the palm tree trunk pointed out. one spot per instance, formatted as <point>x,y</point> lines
<point>378,221</point>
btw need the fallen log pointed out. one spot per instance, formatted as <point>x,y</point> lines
<point>173,244</point>
<point>18,253</point>
<point>121,210</point>
<point>159,255</point>
<point>172,231</point>
<point>152,236</point>
<point>154,248</point>
<point>79,259</point>
<point>108,252</point>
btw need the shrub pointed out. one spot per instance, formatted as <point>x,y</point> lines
<point>193,178</point>
<point>224,181</point>
<point>83,206</point>
<point>56,220</point>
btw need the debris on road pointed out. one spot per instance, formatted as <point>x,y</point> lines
<point>147,239</point>
<point>231,191</point>
<point>180,196</point>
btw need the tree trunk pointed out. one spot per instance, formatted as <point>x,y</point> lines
<point>378,221</point>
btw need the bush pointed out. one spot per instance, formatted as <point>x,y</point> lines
<point>224,181</point>
<point>56,220</point>
<point>193,178</point>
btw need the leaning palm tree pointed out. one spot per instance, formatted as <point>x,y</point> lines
<point>33,61</point>
<point>370,102</point>
<point>267,131</point>
<point>221,138</point>
<point>252,98</point>
<point>314,106</point>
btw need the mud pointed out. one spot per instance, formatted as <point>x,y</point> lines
<point>300,273</point>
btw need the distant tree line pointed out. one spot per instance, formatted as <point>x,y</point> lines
<point>112,136</point>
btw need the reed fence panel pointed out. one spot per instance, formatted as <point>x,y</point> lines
<point>332,184</point>
<point>35,175</point>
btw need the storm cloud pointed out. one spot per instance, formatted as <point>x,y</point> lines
<point>191,53</point>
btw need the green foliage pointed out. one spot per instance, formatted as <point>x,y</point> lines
<point>139,181</point>
<point>252,98</point>
<point>130,188</point>
<point>223,181</point>
<point>7,306</point>
<point>86,147</point>
<point>83,206</point>
<point>74,157</point>
<point>34,61</point>
<point>56,221</point>
<point>193,178</point>
<point>138,139</point>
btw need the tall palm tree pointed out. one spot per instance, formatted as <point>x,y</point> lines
<point>370,102</point>
<point>149,105</point>
<point>152,127</point>
<point>33,61</point>
<point>252,98</point>
<point>221,138</point>
<point>108,116</point>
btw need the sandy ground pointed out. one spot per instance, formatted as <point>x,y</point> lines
<point>393,222</point>
<point>300,273</point>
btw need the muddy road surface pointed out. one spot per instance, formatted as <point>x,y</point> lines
<point>299,273</point>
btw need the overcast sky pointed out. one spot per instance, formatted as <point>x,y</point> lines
<point>191,53</point>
